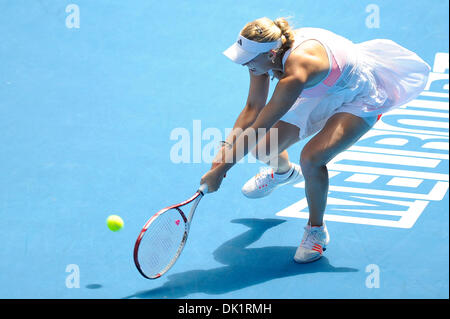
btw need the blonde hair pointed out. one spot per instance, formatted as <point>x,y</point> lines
<point>267,30</point>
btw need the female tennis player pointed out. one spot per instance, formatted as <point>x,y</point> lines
<point>327,85</point>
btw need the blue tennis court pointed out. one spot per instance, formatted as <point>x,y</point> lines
<point>95,97</point>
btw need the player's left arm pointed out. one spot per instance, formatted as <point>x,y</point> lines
<point>299,68</point>
<point>284,96</point>
<point>297,73</point>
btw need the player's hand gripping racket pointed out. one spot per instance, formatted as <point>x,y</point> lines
<point>163,237</point>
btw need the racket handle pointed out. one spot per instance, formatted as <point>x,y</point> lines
<point>203,188</point>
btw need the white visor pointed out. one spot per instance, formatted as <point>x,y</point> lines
<point>245,50</point>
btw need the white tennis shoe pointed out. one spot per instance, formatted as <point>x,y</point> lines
<point>265,182</point>
<point>314,243</point>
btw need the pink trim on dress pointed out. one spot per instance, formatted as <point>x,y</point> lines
<point>334,74</point>
<point>322,87</point>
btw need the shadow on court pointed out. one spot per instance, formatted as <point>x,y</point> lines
<point>244,267</point>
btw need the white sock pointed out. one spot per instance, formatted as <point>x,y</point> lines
<point>284,175</point>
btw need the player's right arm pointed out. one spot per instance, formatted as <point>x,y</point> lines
<point>256,100</point>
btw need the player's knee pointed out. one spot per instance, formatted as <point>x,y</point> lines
<point>310,160</point>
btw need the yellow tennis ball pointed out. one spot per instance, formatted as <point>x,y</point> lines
<point>114,222</point>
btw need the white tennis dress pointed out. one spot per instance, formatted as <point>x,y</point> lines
<point>366,79</point>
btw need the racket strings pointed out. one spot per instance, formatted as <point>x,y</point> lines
<point>161,242</point>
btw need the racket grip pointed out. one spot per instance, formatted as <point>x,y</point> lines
<point>203,188</point>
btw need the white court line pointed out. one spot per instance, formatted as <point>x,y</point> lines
<point>427,104</point>
<point>381,126</point>
<point>407,219</point>
<point>437,193</point>
<point>424,123</point>
<point>398,152</point>
<point>388,172</point>
<point>444,115</point>
<point>387,159</point>
<point>435,94</point>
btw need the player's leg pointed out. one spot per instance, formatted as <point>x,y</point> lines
<point>271,150</point>
<point>340,132</point>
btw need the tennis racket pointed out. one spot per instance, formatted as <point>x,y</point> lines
<point>163,237</point>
